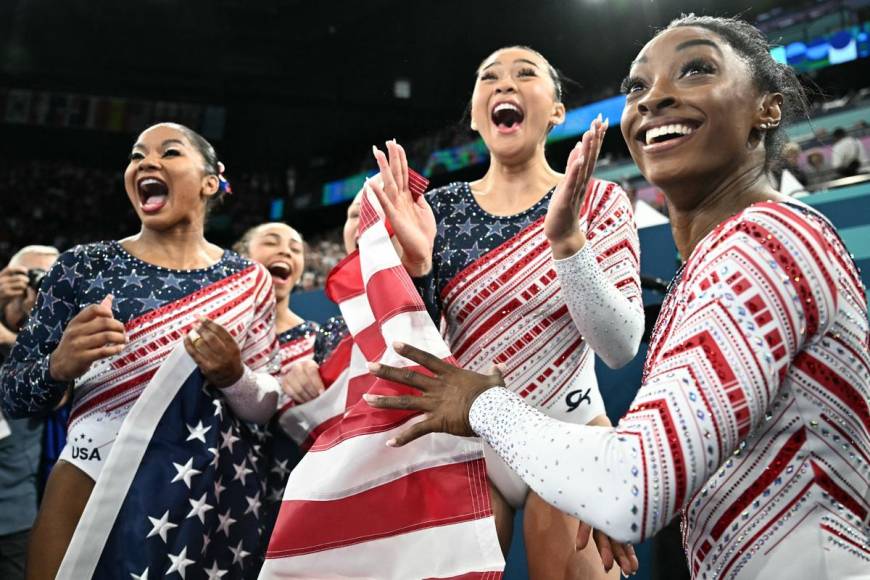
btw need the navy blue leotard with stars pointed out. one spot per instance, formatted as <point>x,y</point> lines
<point>83,276</point>
<point>465,233</point>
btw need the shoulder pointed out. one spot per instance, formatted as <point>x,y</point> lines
<point>786,245</point>
<point>441,199</point>
<point>305,329</point>
<point>82,257</point>
<point>605,197</point>
<point>233,262</point>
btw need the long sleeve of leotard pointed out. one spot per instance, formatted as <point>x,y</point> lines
<point>601,282</point>
<point>254,397</point>
<point>746,306</point>
<point>26,387</point>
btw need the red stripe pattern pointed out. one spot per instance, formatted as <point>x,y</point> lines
<point>242,303</point>
<point>507,307</point>
<point>352,503</point>
<point>755,402</point>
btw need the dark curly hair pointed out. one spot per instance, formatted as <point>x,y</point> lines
<point>769,75</point>
<point>209,156</point>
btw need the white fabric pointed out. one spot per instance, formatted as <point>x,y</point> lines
<point>752,418</point>
<point>5,431</point>
<point>610,323</point>
<point>115,479</point>
<point>646,216</point>
<point>846,151</point>
<point>254,397</point>
<point>436,556</point>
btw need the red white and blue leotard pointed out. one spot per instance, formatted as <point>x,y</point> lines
<point>753,419</point>
<point>158,306</point>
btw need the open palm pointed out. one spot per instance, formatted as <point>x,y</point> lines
<point>561,223</point>
<point>412,219</point>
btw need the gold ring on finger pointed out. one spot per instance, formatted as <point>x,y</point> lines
<point>195,338</point>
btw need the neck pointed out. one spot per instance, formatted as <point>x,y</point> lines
<point>285,319</point>
<point>516,182</point>
<point>182,247</point>
<point>696,209</point>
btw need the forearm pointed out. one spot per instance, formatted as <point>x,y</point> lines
<point>254,397</point>
<point>27,389</point>
<point>591,473</point>
<point>610,323</point>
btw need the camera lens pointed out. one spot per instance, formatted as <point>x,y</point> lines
<point>34,277</point>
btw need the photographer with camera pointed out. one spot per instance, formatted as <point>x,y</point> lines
<point>21,443</point>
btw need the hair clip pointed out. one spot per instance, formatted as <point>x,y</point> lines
<point>223,184</point>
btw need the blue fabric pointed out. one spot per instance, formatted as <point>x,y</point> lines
<point>53,441</point>
<point>81,277</point>
<point>227,457</point>
<point>19,467</point>
<point>465,232</point>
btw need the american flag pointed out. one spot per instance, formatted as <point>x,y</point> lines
<point>181,495</point>
<point>354,508</point>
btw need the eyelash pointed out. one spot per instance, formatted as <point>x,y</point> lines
<point>697,64</point>
<point>137,156</point>
<point>526,72</point>
<point>630,84</point>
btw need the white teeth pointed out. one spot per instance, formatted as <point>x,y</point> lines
<point>503,106</point>
<point>676,129</point>
<point>149,181</point>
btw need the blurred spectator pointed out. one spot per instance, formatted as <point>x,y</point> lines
<point>847,155</point>
<point>791,153</point>
<point>308,281</point>
<point>817,170</point>
<point>19,282</point>
<point>20,439</point>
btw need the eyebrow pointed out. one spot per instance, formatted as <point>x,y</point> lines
<point>698,42</point>
<point>164,144</point>
<point>684,46</point>
<point>525,60</point>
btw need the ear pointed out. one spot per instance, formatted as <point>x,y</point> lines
<point>210,185</point>
<point>769,114</point>
<point>557,115</point>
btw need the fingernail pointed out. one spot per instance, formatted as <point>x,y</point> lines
<point>373,367</point>
<point>369,398</point>
<point>375,152</point>
<point>391,443</point>
<point>398,345</point>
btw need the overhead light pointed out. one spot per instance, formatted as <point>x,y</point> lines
<point>402,89</point>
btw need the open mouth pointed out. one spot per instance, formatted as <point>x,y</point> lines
<point>672,132</point>
<point>153,194</point>
<point>280,271</point>
<point>507,117</point>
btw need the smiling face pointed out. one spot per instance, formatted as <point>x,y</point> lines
<point>514,104</point>
<point>280,248</point>
<point>691,108</point>
<point>166,180</point>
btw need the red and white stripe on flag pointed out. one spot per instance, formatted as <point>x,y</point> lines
<point>353,507</point>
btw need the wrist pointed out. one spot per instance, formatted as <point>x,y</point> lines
<point>417,269</point>
<point>474,396</point>
<point>566,246</point>
<point>56,374</point>
<point>233,380</point>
